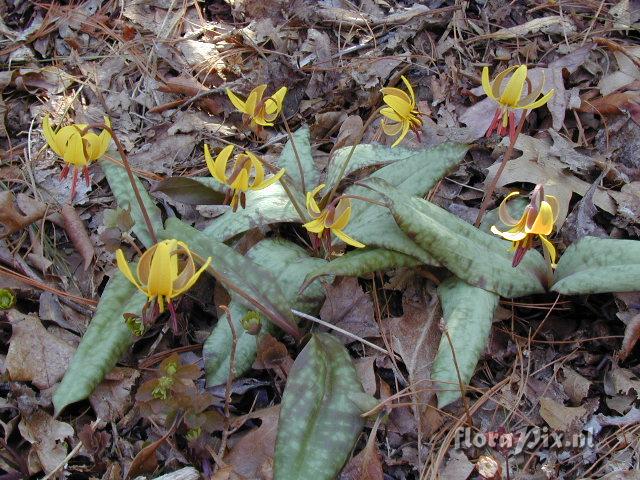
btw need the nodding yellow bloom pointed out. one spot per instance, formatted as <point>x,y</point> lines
<point>402,113</point>
<point>165,271</point>
<point>258,111</point>
<point>75,148</point>
<point>538,220</point>
<point>247,174</point>
<point>509,98</point>
<point>332,219</point>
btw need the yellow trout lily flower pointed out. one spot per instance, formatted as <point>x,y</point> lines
<point>255,109</point>
<point>247,174</point>
<point>508,98</point>
<point>332,219</point>
<point>76,149</point>
<point>401,112</point>
<point>165,271</point>
<point>538,220</point>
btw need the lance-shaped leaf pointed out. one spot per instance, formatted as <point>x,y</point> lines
<point>319,423</point>
<point>599,265</point>
<point>472,255</point>
<point>125,197</point>
<point>289,264</point>
<point>369,155</point>
<point>373,225</point>
<point>468,312</point>
<point>256,287</point>
<point>192,190</point>
<point>289,161</point>
<point>362,261</point>
<point>264,207</point>
<point>104,342</point>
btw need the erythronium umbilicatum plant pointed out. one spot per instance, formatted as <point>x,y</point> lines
<point>390,223</point>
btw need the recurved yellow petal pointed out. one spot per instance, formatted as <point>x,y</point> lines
<point>74,151</point>
<point>50,137</point>
<point>410,90</point>
<point>392,129</point>
<point>123,266</point>
<point>160,282</point>
<point>513,90</point>
<point>402,107</point>
<point>270,181</point>
<point>317,225</point>
<point>342,214</point>
<point>538,103</point>
<point>550,249</point>
<point>237,102</point>
<point>486,84</point>
<point>512,235</point>
<point>543,224</point>
<point>347,239</point>
<point>254,98</point>
<point>503,210</point>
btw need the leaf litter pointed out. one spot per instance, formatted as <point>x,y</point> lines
<point>160,69</point>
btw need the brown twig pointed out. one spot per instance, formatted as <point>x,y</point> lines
<point>132,179</point>
<point>295,152</point>
<point>230,377</point>
<point>494,182</point>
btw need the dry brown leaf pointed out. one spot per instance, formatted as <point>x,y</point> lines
<point>628,72</point>
<point>415,337</point>
<point>348,307</point>
<point>366,373</point>
<point>367,464</point>
<point>77,233</point>
<point>620,380</point>
<point>631,335</point>
<point>575,385</point>
<point>12,219</point>
<point>34,354</point>
<point>112,398</point>
<point>537,165</point>
<point>46,436</point>
<point>252,455</point>
<point>560,417</point>
<point>273,354</point>
<point>457,467</point>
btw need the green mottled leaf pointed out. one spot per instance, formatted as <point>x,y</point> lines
<point>474,256</point>
<point>102,345</point>
<point>468,312</point>
<point>192,190</point>
<point>125,197</point>
<point>271,205</point>
<point>599,265</point>
<point>362,261</point>
<point>369,155</point>
<point>288,160</point>
<point>319,423</point>
<point>289,264</point>
<point>254,286</point>
<point>373,225</point>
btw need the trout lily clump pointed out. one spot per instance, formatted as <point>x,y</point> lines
<point>508,98</point>
<point>256,111</point>
<point>538,220</point>
<point>164,271</point>
<point>401,113</point>
<point>331,219</point>
<point>77,147</point>
<point>246,174</point>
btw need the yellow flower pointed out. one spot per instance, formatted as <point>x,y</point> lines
<point>165,271</point>
<point>332,219</point>
<point>75,149</point>
<point>259,111</point>
<point>538,220</point>
<point>509,98</point>
<point>247,174</point>
<point>402,113</point>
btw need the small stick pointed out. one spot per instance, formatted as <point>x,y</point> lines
<point>232,374</point>
<point>295,152</point>
<point>127,167</point>
<point>494,182</point>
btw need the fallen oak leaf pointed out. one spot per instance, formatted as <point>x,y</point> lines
<point>77,233</point>
<point>631,335</point>
<point>12,219</point>
<point>46,436</point>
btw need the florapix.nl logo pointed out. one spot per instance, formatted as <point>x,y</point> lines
<point>529,438</point>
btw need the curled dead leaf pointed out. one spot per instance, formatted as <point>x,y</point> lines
<point>78,234</point>
<point>12,218</point>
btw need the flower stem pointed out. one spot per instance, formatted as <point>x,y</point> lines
<point>295,152</point>
<point>346,161</point>
<point>503,164</point>
<point>132,180</point>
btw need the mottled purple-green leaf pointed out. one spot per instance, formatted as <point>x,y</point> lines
<point>319,424</point>
<point>103,344</point>
<point>478,258</point>
<point>599,265</point>
<point>125,198</point>
<point>468,313</point>
<point>289,264</point>
<point>192,190</point>
<point>362,261</point>
<point>253,285</point>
